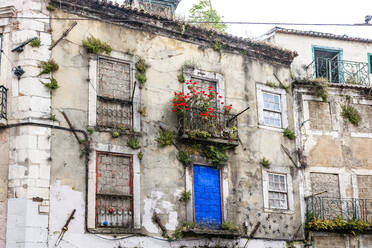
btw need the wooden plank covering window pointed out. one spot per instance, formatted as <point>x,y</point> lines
<point>114,191</point>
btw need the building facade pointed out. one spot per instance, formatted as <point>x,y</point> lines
<point>334,145</point>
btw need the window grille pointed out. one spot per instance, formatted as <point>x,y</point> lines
<point>114,196</point>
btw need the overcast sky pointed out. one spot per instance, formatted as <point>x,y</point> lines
<point>299,11</point>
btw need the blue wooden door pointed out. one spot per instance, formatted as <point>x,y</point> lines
<point>207,196</point>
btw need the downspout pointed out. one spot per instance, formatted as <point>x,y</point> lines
<point>86,151</point>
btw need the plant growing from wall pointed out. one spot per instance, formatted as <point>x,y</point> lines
<point>48,67</point>
<point>352,114</point>
<point>218,46</point>
<point>165,138</point>
<point>185,196</point>
<point>141,68</point>
<point>140,155</point>
<point>265,162</point>
<point>286,87</point>
<point>50,7</point>
<point>52,117</point>
<point>353,226</point>
<point>228,225</point>
<point>35,43</point>
<point>290,134</point>
<point>271,84</point>
<point>216,155</point>
<point>52,85</point>
<point>90,130</point>
<point>96,46</point>
<point>320,88</point>
<point>133,143</point>
<point>115,134</point>
<point>184,157</point>
<point>181,77</point>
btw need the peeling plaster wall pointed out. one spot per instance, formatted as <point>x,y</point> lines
<point>162,177</point>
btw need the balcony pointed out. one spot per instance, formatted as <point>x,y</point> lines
<point>3,102</point>
<point>222,129</point>
<point>339,71</point>
<point>327,208</point>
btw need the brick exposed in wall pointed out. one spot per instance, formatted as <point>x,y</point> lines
<point>320,115</point>
<point>321,182</point>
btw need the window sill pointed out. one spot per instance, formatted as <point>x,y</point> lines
<point>113,230</point>
<point>278,211</point>
<point>211,233</point>
<point>276,129</point>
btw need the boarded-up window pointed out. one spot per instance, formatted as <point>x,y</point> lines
<point>114,197</point>
<point>325,185</point>
<point>114,106</point>
<point>319,115</point>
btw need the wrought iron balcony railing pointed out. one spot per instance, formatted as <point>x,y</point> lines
<point>222,126</point>
<point>3,102</point>
<point>340,71</point>
<point>333,208</point>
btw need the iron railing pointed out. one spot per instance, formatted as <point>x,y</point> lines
<point>114,211</point>
<point>340,71</point>
<point>223,125</point>
<point>333,208</point>
<point>3,102</point>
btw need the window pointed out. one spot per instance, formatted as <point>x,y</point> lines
<point>114,98</point>
<point>328,63</point>
<point>114,101</point>
<point>114,196</point>
<point>277,191</point>
<point>272,110</point>
<point>370,62</point>
<point>272,107</point>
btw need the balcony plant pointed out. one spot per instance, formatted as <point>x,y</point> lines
<point>200,107</point>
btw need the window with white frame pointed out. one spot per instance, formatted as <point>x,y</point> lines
<point>272,106</point>
<point>277,191</point>
<point>272,109</point>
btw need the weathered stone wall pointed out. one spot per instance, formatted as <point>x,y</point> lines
<point>162,176</point>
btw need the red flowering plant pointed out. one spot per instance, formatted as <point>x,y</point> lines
<point>200,106</point>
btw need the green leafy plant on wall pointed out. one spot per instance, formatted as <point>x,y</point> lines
<point>35,43</point>
<point>270,84</point>
<point>133,143</point>
<point>48,67</point>
<point>218,47</point>
<point>352,114</point>
<point>184,157</point>
<point>141,68</point>
<point>228,225</point>
<point>353,226</point>
<point>96,46</point>
<point>115,134</point>
<point>50,7</point>
<point>216,155</point>
<point>90,130</point>
<point>165,138</point>
<point>52,85</point>
<point>290,134</point>
<point>185,196</point>
<point>181,77</point>
<point>140,155</point>
<point>320,88</point>
<point>265,162</point>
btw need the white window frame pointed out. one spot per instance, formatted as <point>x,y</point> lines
<point>93,87</point>
<point>265,185</point>
<point>285,192</point>
<point>92,181</point>
<point>206,75</point>
<point>260,88</point>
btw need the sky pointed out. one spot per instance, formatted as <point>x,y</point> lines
<point>298,11</point>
